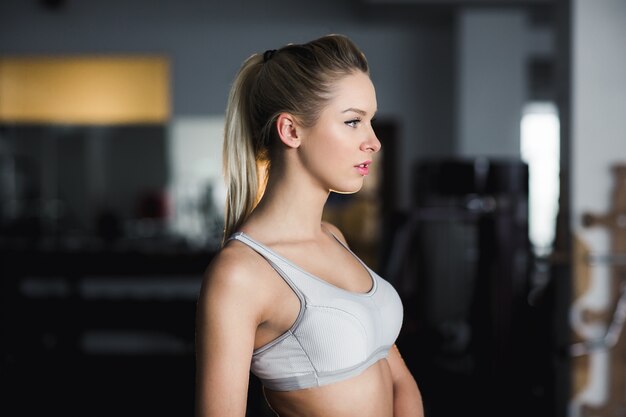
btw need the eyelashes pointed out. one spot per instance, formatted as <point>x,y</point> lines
<point>353,122</point>
<point>356,121</point>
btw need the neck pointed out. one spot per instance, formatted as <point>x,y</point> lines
<point>291,208</point>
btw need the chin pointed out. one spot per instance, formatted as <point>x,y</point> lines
<point>347,186</point>
<point>347,190</point>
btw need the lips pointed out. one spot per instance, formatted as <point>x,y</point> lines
<point>363,168</point>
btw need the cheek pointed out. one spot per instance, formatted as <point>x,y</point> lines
<point>340,142</point>
<point>336,154</point>
<point>330,147</point>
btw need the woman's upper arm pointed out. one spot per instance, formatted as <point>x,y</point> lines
<point>226,321</point>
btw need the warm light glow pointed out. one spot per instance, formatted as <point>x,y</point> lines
<point>540,143</point>
<point>84,90</point>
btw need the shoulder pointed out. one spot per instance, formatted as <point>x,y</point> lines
<point>234,277</point>
<point>231,262</point>
<point>335,231</point>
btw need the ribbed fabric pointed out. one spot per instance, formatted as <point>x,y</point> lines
<point>337,335</point>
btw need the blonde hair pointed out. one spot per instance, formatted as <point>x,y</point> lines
<point>296,79</point>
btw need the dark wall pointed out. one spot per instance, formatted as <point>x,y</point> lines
<point>411,51</point>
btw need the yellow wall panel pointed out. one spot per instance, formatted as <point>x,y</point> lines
<point>84,90</point>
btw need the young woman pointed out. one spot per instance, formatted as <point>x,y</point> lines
<point>285,297</point>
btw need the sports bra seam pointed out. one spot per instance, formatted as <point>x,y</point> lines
<point>295,337</point>
<point>315,371</point>
<point>377,355</point>
<point>382,349</point>
<point>343,311</point>
<point>273,343</point>
<point>303,306</point>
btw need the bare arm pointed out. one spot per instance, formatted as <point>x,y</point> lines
<point>407,400</point>
<point>226,322</point>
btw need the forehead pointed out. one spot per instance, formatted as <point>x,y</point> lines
<point>354,91</point>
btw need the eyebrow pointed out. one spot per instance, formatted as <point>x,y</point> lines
<point>353,109</point>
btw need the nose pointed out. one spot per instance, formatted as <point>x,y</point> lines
<point>371,143</point>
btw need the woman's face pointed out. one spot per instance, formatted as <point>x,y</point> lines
<point>339,148</point>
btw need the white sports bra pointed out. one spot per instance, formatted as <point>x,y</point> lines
<point>337,335</point>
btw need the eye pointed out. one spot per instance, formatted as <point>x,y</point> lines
<point>353,122</point>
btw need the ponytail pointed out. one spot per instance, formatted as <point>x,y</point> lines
<point>241,165</point>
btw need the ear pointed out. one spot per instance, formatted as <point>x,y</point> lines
<point>286,125</point>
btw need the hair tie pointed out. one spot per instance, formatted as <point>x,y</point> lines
<point>267,55</point>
